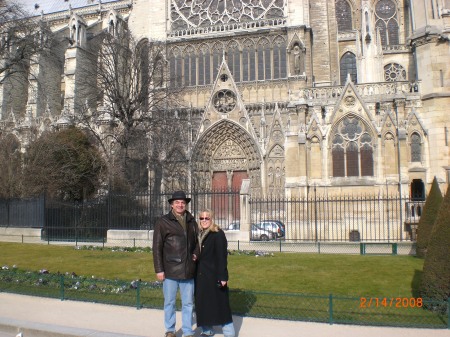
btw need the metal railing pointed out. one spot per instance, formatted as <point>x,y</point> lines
<point>371,218</point>
<point>389,311</point>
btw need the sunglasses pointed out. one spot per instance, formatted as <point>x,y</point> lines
<point>205,218</point>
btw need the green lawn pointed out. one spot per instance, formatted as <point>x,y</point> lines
<point>347,275</point>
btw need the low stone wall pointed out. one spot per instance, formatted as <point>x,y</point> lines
<point>28,235</point>
<point>129,238</point>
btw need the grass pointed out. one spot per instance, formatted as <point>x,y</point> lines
<point>322,274</point>
<point>282,285</point>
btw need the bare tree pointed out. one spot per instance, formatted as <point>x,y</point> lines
<point>22,38</point>
<point>129,106</point>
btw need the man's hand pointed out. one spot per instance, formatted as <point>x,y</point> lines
<point>160,276</point>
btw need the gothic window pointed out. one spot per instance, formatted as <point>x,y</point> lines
<point>386,22</point>
<point>394,72</point>
<point>416,148</point>
<point>199,13</point>
<point>176,75</point>
<point>352,149</point>
<point>217,59</point>
<point>234,61</point>
<point>348,66</point>
<point>279,58</point>
<point>204,66</point>
<point>248,61</point>
<point>343,15</point>
<point>264,64</point>
<point>190,67</point>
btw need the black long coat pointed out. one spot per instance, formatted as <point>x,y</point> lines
<point>212,303</point>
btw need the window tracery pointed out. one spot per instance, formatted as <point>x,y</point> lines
<point>416,148</point>
<point>186,14</point>
<point>348,66</point>
<point>352,149</point>
<point>343,15</point>
<point>233,58</point>
<point>394,72</point>
<point>387,22</point>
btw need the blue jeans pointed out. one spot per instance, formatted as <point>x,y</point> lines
<point>227,329</point>
<point>170,289</point>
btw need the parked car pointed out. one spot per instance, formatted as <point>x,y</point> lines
<point>234,225</point>
<point>275,226</point>
<point>260,234</point>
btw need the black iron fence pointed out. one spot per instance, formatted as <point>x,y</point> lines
<point>89,221</point>
<point>373,218</point>
<point>339,218</point>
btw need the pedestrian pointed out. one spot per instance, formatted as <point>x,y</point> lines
<point>212,304</point>
<point>174,255</point>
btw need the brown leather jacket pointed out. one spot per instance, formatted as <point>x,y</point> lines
<point>173,248</point>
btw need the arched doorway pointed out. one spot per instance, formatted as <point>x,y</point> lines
<point>222,157</point>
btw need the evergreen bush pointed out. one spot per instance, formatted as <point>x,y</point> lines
<point>428,218</point>
<point>436,269</point>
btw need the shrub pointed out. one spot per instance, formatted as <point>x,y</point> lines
<point>427,220</point>
<point>436,269</point>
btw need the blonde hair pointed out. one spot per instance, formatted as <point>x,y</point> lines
<point>214,227</point>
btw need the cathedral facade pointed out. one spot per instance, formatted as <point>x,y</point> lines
<point>346,96</point>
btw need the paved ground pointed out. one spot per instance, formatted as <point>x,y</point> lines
<point>45,317</point>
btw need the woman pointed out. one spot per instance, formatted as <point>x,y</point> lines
<point>212,303</point>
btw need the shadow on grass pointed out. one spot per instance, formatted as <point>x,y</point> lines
<point>241,301</point>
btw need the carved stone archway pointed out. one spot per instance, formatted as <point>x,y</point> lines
<point>228,150</point>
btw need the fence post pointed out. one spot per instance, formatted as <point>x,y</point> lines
<point>238,246</point>
<point>330,305</point>
<point>448,313</point>
<point>138,295</point>
<point>362,248</point>
<point>61,287</point>
<point>394,248</point>
<point>280,245</point>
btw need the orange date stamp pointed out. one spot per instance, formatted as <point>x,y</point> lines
<point>390,302</point>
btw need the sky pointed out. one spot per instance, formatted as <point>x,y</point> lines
<point>35,7</point>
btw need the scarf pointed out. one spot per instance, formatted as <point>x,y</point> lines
<point>202,235</point>
<point>181,219</point>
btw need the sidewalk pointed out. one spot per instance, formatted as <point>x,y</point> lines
<point>46,317</point>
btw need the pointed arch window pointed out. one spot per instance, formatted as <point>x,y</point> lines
<point>176,69</point>
<point>386,22</point>
<point>217,60</point>
<point>248,62</point>
<point>347,65</point>
<point>279,59</point>
<point>416,148</point>
<point>204,66</point>
<point>352,149</point>
<point>190,67</point>
<point>264,64</point>
<point>343,15</point>
<point>234,62</point>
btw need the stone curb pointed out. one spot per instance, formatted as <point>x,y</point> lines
<point>34,329</point>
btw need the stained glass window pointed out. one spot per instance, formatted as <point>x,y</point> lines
<point>343,15</point>
<point>416,148</point>
<point>348,66</point>
<point>352,149</point>
<point>394,72</point>
<point>386,22</point>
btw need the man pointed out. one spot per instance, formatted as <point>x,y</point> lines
<point>174,255</point>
